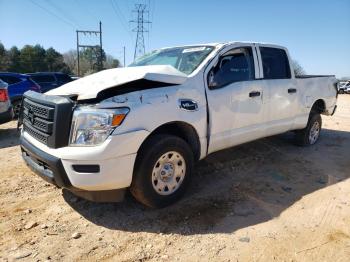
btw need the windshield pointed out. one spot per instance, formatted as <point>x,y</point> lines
<point>184,59</point>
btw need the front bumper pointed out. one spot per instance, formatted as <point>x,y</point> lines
<point>6,116</point>
<point>51,169</point>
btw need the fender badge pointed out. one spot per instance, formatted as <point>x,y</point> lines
<point>188,105</point>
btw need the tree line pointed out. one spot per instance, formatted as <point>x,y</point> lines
<point>30,59</point>
<point>35,58</point>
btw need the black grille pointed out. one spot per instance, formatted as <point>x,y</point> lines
<point>34,132</point>
<point>38,120</point>
<point>47,118</point>
<point>42,111</point>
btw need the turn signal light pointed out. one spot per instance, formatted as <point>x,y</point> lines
<point>118,119</point>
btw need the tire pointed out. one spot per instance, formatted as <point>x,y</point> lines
<point>311,133</point>
<point>16,105</point>
<point>163,171</point>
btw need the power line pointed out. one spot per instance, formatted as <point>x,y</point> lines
<point>120,17</point>
<point>128,6</point>
<point>121,13</point>
<point>64,13</point>
<point>153,7</point>
<point>87,10</point>
<point>53,14</point>
<point>141,10</point>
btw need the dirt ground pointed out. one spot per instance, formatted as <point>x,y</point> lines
<point>263,201</point>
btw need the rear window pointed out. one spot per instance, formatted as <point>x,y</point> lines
<point>10,79</point>
<point>63,78</point>
<point>275,63</point>
<point>43,78</point>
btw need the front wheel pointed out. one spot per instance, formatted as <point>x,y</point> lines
<point>163,170</point>
<point>310,135</point>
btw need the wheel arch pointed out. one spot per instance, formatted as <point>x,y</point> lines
<point>319,106</point>
<point>180,129</point>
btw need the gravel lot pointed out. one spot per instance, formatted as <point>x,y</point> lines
<point>263,201</point>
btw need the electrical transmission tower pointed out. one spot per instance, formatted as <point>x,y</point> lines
<point>97,49</point>
<point>141,10</point>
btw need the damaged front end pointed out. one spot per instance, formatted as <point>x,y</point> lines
<point>114,82</point>
<point>87,117</point>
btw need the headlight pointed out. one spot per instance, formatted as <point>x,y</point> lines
<point>91,126</point>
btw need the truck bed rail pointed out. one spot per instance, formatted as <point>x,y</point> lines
<point>312,76</point>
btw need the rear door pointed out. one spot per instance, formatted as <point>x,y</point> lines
<point>235,98</point>
<point>281,96</point>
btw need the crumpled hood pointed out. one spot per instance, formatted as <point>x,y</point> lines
<point>88,87</point>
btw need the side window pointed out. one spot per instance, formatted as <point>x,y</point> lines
<point>3,78</point>
<point>10,79</point>
<point>43,78</point>
<point>234,66</point>
<point>275,63</point>
<point>63,78</point>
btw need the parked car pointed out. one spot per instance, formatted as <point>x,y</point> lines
<point>346,88</point>
<point>17,85</point>
<point>6,111</point>
<point>143,127</point>
<point>342,87</point>
<point>50,80</point>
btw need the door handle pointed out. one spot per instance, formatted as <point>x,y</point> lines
<point>292,90</point>
<point>254,94</point>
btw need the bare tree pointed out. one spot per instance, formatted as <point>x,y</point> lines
<point>70,58</point>
<point>111,62</point>
<point>86,66</point>
<point>298,69</point>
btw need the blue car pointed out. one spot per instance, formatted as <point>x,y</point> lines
<point>6,112</point>
<point>18,84</point>
<point>50,80</point>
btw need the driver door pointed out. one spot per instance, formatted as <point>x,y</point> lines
<point>235,98</point>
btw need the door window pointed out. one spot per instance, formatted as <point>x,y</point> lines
<point>234,66</point>
<point>275,63</point>
<point>10,79</point>
<point>43,78</point>
<point>63,78</point>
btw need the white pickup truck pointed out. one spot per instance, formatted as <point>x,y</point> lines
<point>143,127</point>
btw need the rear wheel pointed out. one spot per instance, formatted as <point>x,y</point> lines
<point>310,135</point>
<point>163,171</point>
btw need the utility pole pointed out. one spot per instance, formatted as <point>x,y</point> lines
<point>101,51</point>
<point>124,56</point>
<point>96,48</point>
<point>78,54</point>
<point>141,10</point>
